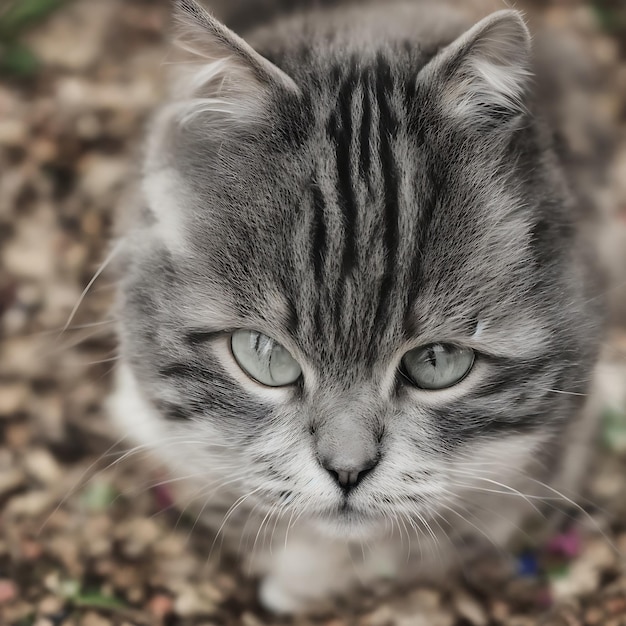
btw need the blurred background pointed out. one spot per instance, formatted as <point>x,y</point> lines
<point>92,537</point>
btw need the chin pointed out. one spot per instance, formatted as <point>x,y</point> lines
<point>350,523</point>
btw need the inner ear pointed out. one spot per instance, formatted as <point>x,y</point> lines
<point>218,64</point>
<point>483,77</point>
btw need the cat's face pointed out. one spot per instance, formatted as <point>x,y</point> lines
<point>352,295</point>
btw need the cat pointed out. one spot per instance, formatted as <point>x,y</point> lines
<point>355,306</point>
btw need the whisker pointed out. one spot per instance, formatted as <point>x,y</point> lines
<point>117,246</point>
<point>568,393</point>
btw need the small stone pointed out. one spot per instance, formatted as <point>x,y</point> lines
<point>92,618</point>
<point>500,610</point>
<point>44,150</point>
<point>521,620</point>
<point>8,591</point>
<point>468,608</point>
<point>582,578</point>
<point>52,582</point>
<point>189,603</point>
<point>135,595</point>
<point>382,616</point>
<point>73,39</point>
<point>160,605</point>
<point>42,466</point>
<point>594,617</point>
<point>13,132</point>
<point>30,550</point>
<point>66,550</point>
<point>211,592</point>
<point>600,553</point>
<point>96,536</point>
<point>50,605</point>
<point>126,576</point>
<point>88,126</point>
<point>137,536</point>
<point>18,435</point>
<point>30,504</point>
<point>426,618</point>
<point>616,606</point>
<point>425,598</point>
<point>102,175</point>
<point>11,480</point>
<point>248,619</point>
<point>13,397</point>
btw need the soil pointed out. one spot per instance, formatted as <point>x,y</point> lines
<point>88,534</point>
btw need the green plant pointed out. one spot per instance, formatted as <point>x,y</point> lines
<point>16,17</point>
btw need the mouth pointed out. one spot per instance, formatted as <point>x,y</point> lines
<point>349,522</point>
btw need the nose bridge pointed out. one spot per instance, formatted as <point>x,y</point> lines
<point>348,435</point>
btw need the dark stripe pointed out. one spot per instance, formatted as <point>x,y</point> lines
<point>366,123</point>
<point>458,424</point>
<point>387,130</point>
<point>430,203</point>
<point>185,370</point>
<point>318,235</point>
<point>340,131</point>
<point>173,412</point>
<point>199,337</point>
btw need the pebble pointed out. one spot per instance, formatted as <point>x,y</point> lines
<point>102,175</point>
<point>160,605</point>
<point>96,537</point>
<point>50,605</point>
<point>73,40</point>
<point>31,504</point>
<point>581,579</point>
<point>11,480</point>
<point>594,617</point>
<point>91,618</point>
<point>137,536</point>
<point>67,551</point>
<point>30,550</point>
<point>469,609</point>
<point>616,606</point>
<point>17,435</point>
<point>600,553</point>
<point>8,591</point>
<point>42,466</point>
<point>520,620</point>
<point>382,616</point>
<point>249,619</point>
<point>189,603</point>
<point>425,618</point>
<point>211,592</point>
<point>13,132</point>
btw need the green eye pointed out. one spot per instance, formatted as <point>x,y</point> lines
<point>264,359</point>
<point>438,365</point>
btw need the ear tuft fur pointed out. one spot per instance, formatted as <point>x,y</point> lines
<point>483,76</point>
<point>219,71</point>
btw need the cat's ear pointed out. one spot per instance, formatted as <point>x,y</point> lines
<point>217,66</point>
<point>482,77</point>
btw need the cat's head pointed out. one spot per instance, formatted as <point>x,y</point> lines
<point>354,286</point>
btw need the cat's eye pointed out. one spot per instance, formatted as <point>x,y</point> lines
<point>264,359</point>
<point>438,365</point>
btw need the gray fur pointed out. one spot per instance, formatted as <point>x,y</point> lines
<point>374,194</point>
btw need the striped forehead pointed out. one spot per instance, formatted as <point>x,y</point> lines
<point>362,224</point>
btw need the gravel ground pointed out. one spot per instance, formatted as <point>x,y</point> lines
<point>88,535</point>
